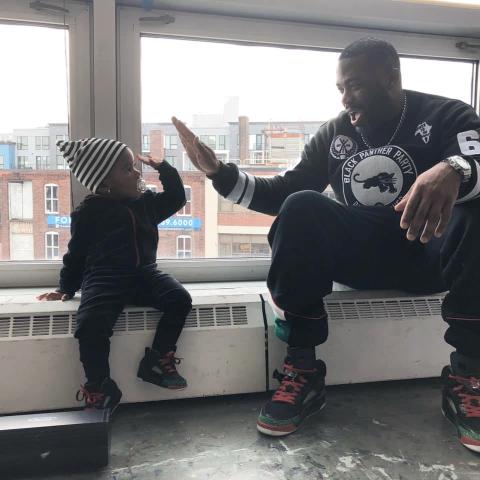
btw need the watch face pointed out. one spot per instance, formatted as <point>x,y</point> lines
<point>462,163</point>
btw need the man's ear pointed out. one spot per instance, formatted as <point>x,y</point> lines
<point>395,78</point>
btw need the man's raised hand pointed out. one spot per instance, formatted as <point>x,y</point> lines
<point>202,156</point>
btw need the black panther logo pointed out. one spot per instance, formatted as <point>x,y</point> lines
<point>384,181</point>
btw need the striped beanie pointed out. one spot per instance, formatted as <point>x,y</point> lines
<point>90,159</point>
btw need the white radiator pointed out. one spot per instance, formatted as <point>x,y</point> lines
<point>223,346</point>
<point>375,336</point>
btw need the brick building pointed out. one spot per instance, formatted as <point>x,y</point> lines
<point>34,214</point>
<point>36,201</point>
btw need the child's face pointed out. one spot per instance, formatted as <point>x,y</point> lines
<point>123,177</point>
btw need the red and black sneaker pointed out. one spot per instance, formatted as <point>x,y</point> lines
<point>301,393</point>
<point>161,370</point>
<point>461,399</point>
<point>104,395</point>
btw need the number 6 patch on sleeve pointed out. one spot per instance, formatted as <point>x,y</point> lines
<point>469,142</point>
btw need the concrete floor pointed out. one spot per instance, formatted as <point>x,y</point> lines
<point>385,431</point>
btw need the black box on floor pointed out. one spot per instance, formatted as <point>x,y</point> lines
<point>58,441</point>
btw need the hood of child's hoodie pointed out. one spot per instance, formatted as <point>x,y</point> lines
<point>103,201</point>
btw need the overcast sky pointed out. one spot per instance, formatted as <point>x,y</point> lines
<point>183,78</point>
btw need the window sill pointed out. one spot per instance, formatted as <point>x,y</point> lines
<point>39,273</point>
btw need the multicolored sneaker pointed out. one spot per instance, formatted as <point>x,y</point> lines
<point>301,393</point>
<point>161,370</point>
<point>461,398</point>
<point>104,395</point>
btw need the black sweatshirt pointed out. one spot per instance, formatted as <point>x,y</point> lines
<point>434,128</point>
<point>106,232</point>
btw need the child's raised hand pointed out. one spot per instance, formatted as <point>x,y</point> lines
<point>54,296</point>
<point>153,162</point>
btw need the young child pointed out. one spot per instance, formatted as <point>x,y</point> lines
<point>111,256</point>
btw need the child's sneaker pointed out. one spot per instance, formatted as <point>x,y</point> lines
<point>161,370</point>
<point>104,395</point>
<point>461,399</point>
<point>300,394</point>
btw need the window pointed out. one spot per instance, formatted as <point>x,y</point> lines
<point>41,162</point>
<point>264,127</point>
<point>244,246</point>
<point>24,163</point>
<point>52,249</point>
<point>2,162</point>
<point>22,143</point>
<point>51,198</point>
<point>184,246</point>
<point>61,163</point>
<point>146,143</point>
<point>210,140</point>
<point>222,142</point>
<point>187,163</point>
<point>40,99</point>
<point>255,142</point>
<point>171,142</point>
<point>21,246</point>
<point>20,200</point>
<point>42,143</point>
<point>172,160</point>
<point>187,209</point>
<point>153,188</point>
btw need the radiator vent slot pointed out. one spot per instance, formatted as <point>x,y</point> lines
<point>206,317</point>
<point>135,321</point>
<point>239,315</point>
<point>41,325</point>
<point>5,327</point>
<point>131,320</point>
<point>21,327</point>
<point>61,324</point>
<point>391,308</point>
<point>152,317</point>
<point>191,321</point>
<point>121,325</point>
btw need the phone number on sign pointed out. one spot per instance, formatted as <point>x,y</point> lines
<point>186,223</point>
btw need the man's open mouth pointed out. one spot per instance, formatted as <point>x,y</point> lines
<point>355,117</point>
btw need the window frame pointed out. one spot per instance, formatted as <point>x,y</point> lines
<point>42,162</point>
<point>145,142</point>
<point>133,23</point>
<point>57,236</point>
<point>181,212</point>
<point>126,108</point>
<point>184,250</point>
<point>81,84</point>
<point>20,143</point>
<point>53,199</point>
<point>171,145</point>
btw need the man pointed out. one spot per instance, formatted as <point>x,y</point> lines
<point>397,160</point>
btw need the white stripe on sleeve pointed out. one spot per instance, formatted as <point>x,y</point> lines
<point>236,193</point>
<point>475,191</point>
<point>247,198</point>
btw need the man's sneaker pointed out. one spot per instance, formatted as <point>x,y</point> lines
<point>461,398</point>
<point>301,393</point>
<point>104,395</point>
<point>161,370</point>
